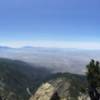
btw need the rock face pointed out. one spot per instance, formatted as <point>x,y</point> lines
<point>62,87</point>
<point>45,92</point>
<point>83,97</point>
<point>50,91</point>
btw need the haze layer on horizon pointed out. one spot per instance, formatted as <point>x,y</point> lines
<point>50,23</point>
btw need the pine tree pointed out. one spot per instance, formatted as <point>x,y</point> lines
<point>93,77</point>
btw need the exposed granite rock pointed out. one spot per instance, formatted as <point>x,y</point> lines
<point>45,92</point>
<point>83,97</point>
<point>64,87</point>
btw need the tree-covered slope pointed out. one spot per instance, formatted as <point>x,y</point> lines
<point>17,76</point>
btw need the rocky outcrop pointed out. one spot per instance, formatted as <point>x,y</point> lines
<point>83,97</point>
<point>45,92</point>
<point>62,87</point>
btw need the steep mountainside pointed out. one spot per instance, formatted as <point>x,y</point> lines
<point>16,77</point>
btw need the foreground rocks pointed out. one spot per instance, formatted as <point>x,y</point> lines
<point>45,92</point>
<point>48,92</point>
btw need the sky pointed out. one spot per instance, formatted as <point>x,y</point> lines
<point>50,23</point>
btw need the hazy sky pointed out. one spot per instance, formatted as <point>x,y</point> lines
<point>57,23</point>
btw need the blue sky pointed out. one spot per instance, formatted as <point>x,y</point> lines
<point>71,23</point>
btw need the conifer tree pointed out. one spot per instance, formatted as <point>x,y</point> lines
<point>93,77</point>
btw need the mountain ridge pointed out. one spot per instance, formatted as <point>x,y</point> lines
<point>17,76</point>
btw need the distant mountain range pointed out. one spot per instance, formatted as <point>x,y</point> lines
<point>56,59</point>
